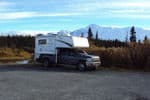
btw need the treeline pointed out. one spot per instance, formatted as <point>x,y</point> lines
<point>115,43</point>
<point>104,43</point>
<point>27,42</point>
<point>17,41</point>
<point>110,43</point>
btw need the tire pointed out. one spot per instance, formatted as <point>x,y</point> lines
<point>81,67</point>
<point>45,62</point>
<point>94,68</point>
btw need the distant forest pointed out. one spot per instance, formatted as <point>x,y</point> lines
<point>110,43</point>
<point>17,41</point>
<point>27,42</point>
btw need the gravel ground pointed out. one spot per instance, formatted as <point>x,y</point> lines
<point>33,82</point>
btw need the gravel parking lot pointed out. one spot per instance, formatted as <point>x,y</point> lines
<point>33,82</point>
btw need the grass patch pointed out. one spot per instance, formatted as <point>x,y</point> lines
<point>137,57</point>
<point>10,55</point>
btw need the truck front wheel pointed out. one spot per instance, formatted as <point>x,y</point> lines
<point>81,67</point>
<point>45,62</point>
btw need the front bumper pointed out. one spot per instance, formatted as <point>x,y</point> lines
<point>93,64</point>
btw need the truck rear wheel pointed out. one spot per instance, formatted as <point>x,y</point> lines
<point>81,67</point>
<point>94,68</point>
<point>45,62</point>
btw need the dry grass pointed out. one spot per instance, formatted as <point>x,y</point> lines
<point>9,54</point>
<point>137,57</point>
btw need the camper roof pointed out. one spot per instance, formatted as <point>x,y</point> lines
<point>52,34</point>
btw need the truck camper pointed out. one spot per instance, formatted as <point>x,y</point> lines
<point>58,48</point>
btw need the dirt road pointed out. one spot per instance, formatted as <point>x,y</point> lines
<point>28,82</point>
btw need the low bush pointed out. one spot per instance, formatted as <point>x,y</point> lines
<point>133,57</point>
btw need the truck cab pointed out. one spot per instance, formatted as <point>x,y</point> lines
<point>78,57</point>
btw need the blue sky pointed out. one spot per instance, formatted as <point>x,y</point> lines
<point>54,15</point>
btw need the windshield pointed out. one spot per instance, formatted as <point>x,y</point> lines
<point>81,51</point>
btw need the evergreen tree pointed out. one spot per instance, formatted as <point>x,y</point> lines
<point>96,37</point>
<point>82,34</point>
<point>139,41</point>
<point>90,34</point>
<point>132,34</point>
<point>126,39</point>
<point>145,38</point>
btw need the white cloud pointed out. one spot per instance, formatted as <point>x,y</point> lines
<point>4,3</point>
<point>55,14</point>
<point>127,11</point>
<point>31,32</point>
<point>146,28</point>
<point>5,6</point>
<point>16,15</point>
<point>133,4</point>
<point>125,16</point>
<point>19,15</point>
<point>8,11</point>
<point>124,4</point>
<point>114,26</point>
<point>114,8</point>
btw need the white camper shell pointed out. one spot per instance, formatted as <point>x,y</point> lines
<point>47,44</point>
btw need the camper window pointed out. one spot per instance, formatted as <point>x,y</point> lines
<point>42,41</point>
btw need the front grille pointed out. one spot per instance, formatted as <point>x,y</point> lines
<point>96,60</point>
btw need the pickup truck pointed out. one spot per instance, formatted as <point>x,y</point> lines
<point>71,56</point>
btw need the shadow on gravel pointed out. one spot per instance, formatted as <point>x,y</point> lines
<point>37,67</point>
<point>141,98</point>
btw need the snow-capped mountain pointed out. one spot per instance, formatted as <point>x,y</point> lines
<point>112,32</point>
<point>108,33</point>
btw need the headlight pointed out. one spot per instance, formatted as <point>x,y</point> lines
<point>89,59</point>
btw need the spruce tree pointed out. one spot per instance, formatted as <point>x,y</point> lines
<point>90,34</point>
<point>126,38</point>
<point>132,34</point>
<point>96,37</point>
<point>145,38</point>
<point>82,34</point>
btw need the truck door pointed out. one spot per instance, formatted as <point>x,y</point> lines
<point>68,57</point>
<point>62,57</point>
